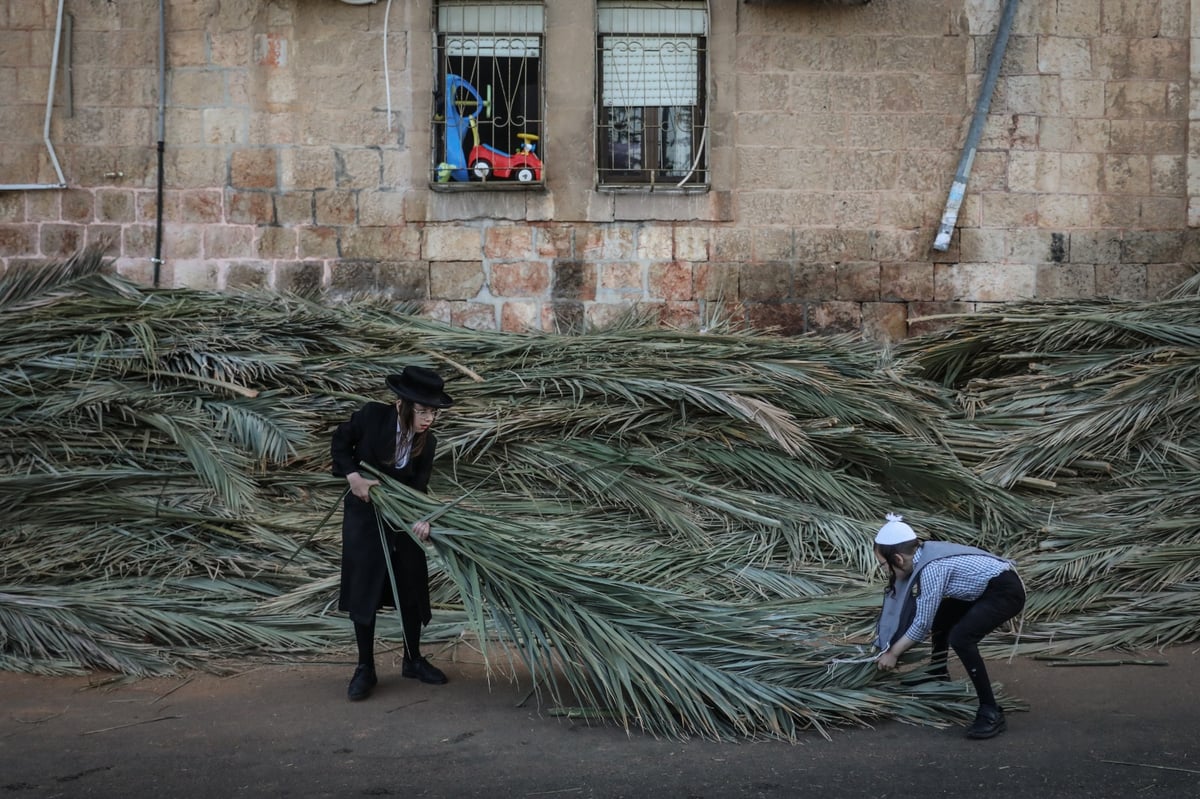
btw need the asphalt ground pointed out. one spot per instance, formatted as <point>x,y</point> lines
<point>287,730</point>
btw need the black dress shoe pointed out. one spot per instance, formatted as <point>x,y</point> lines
<point>362,682</point>
<point>421,669</point>
<point>989,722</point>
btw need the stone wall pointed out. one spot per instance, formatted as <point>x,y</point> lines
<point>835,133</point>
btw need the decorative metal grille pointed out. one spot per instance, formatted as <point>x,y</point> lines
<point>652,127</point>
<point>488,118</point>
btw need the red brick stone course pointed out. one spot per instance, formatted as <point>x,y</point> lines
<point>254,168</point>
<point>671,282</point>
<point>294,208</point>
<point>508,242</point>
<point>574,280</point>
<point>473,315</point>
<point>765,281</point>
<point>106,237</point>
<point>906,281</point>
<point>858,281</point>
<point>18,239</point>
<point>455,280</point>
<point>299,277</point>
<point>717,281</point>
<point>61,241</point>
<point>381,242</point>
<point>834,317</point>
<point>555,241</point>
<point>317,242</point>
<point>276,243</point>
<point>228,242</point>
<point>248,275</point>
<point>78,206</point>
<point>336,207</point>
<point>815,281</point>
<point>623,279</point>
<point>787,318</point>
<point>598,243</point>
<point>137,241</point>
<point>525,279</point>
<point>251,208</point>
<point>196,207</point>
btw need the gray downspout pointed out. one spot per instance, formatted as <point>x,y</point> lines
<point>62,181</point>
<point>959,187</point>
<point>162,126</point>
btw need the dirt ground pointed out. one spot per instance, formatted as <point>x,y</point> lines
<point>288,731</point>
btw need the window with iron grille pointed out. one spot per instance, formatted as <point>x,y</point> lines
<point>488,105</point>
<point>652,127</point>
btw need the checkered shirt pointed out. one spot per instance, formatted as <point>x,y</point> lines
<point>957,577</point>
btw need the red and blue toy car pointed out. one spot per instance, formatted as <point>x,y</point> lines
<point>483,161</point>
<point>486,160</point>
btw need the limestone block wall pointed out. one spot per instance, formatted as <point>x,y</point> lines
<point>293,161</point>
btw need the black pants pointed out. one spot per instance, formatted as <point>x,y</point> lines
<point>962,625</point>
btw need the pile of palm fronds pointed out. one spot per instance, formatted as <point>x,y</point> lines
<point>679,523</point>
<point>1093,404</point>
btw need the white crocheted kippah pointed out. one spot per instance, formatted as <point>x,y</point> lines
<point>895,531</point>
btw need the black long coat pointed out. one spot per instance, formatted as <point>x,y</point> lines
<point>369,438</point>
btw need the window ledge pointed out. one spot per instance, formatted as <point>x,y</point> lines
<point>490,186</point>
<point>657,189</point>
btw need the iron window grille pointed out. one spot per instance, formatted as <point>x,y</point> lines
<point>651,74</point>
<point>488,99</point>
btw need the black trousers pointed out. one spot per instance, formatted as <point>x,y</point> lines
<point>412,588</point>
<point>962,625</point>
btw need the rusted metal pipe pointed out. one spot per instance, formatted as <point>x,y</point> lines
<point>959,188</point>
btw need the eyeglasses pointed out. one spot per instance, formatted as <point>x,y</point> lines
<point>428,413</point>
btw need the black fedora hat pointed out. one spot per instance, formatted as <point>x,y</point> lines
<point>420,385</point>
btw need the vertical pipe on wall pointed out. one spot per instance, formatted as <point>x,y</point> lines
<point>162,127</point>
<point>959,187</point>
<point>68,69</point>
<point>387,80</point>
<point>58,26</point>
<point>62,181</point>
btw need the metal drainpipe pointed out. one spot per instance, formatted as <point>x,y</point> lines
<point>959,187</point>
<point>62,181</point>
<point>162,93</point>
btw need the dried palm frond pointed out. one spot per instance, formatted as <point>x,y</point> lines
<point>677,522</point>
<point>646,657</point>
<point>1007,341</point>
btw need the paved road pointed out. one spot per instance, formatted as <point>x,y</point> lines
<point>1121,732</point>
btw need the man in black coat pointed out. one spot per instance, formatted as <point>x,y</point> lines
<point>396,440</point>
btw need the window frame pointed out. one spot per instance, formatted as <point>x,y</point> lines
<point>504,144</point>
<point>656,177</point>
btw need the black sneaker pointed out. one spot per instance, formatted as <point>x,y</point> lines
<point>989,722</point>
<point>421,669</point>
<point>362,682</point>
